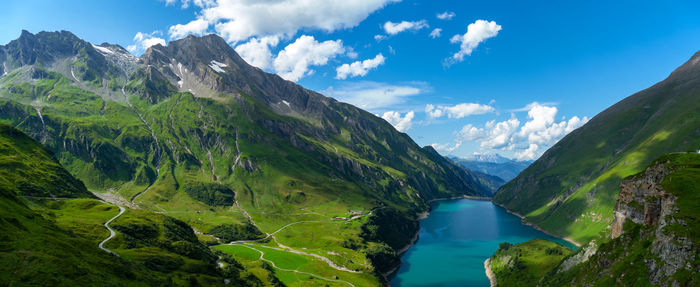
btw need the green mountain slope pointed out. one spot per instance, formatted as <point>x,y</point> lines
<point>653,239</point>
<point>29,169</point>
<point>192,131</point>
<point>655,236</point>
<point>50,238</point>
<point>526,263</point>
<point>570,191</point>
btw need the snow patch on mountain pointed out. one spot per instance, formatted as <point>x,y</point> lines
<point>103,50</point>
<point>217,66</point>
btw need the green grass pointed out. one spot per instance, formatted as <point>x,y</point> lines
<point>285,261</point>
<point>524,264</point>
<point>625,260</point>
<point>27,168</point>
<point>297,167</point>
<point>571,190</point>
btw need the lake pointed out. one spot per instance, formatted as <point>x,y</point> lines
<point>455,240</point>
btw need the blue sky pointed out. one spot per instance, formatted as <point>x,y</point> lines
<point>535,71</point>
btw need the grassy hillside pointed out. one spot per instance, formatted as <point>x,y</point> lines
<point>570,191</point>
<point>650,254</point>
<point>29,169</point>
<point>235,153</point>
<point>526,263</point>
<point>49,238</point>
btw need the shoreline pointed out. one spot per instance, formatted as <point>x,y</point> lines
<point>522,220</point>
<point>489,272</point>
<point>425,214</point>
<point>422,216</point>
<point>460,197</point>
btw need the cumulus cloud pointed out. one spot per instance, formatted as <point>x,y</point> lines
<point>539,132</point>
<point>392,28</point>
<point>238,20</point>
<point>257,51</point>
<point>295,60</point>
<point>446,147</point>
<point>457,111</point>
<point>477,32</point>
<point>528,154</point>
<point>447,15</point>
<point>402,124</point>
<point>541,128</point>
<point>359,68</point>
<point>375,95</point>
<point>195,27</point>
<point>379,38</point>
<point>435,33</point>
<point>143,41</point>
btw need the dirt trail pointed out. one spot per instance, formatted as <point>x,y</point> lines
<point>262,254</point>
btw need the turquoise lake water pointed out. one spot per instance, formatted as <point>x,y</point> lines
<point>456,239</point>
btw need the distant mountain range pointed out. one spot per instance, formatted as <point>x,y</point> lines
<point>493,164</point>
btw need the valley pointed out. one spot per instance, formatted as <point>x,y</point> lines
<point>188,166</point>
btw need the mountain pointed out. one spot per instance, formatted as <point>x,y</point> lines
<point>653,239</point>
<point>494,165</point>
<point>191,131</point>
<point>29,169</point>
<point>571,189</point>
<point>492,158</point>
<point>51,227</point>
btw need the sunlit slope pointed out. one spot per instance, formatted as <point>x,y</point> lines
<point>570,190</point>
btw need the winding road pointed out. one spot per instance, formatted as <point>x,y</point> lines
<point>112,233</point>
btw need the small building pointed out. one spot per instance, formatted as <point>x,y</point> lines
<point>340,218</point>
<point>357,211</point>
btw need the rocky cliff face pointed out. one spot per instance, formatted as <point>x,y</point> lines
<point>643,200</point>
<point>653,237</point>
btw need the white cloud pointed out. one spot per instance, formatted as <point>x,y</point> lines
<point>470,133</point>
<point>500,135</point>
<point>392,28</point>
<point>541,128</point>
<point>257,51</point>
<point>539,132</point>
<point>477,32</point>
<point>447,15</point>
<point>446,147</point>
<point>435,33</point>
<point>379,38</point>
<point>528,154</point>
<point>433,112</point>
<point>374,95</point>
<point>198,3</point>
<point>143,41</point>
<point>295,60</point>
<point>402,124</point>
<point>359,68</point>
<point>238,20</point>
<point>195,27</point>
<point>457,111</point>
